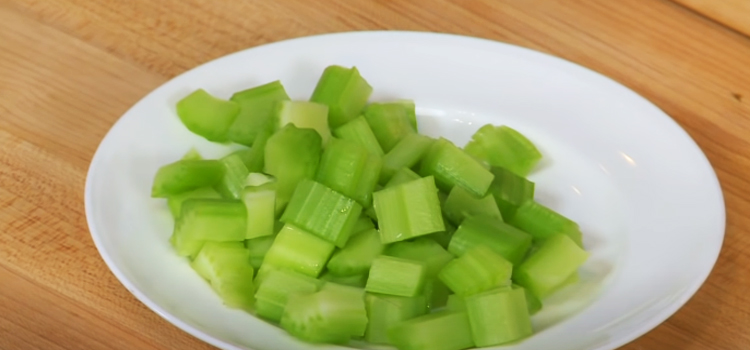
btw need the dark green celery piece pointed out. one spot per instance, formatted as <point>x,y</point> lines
<point>508,241</point>
<point>274,293</point>
<point>292,154</point>
<point>225,265</point>
<point>206,115</point>
<point>547,269</point>
<point>185,175</point>
<point>436,293</point>
<point>402,176</point>
<point>396,276</point>
<point>543,222</point>
<point>405,154</point>
<point>363,224</point>
<point>258,247</point>
<point>451,167</point>
<point>533,304</point>
<point>203,220</point>
<point>235,173</point>
<point>461,204</point>
<point>498,316</point>
<point>175,202</point>
<point>357,130</point>
<point>478,270</point>
<point>443,237</point>
<point>408,210</point>
<point>456,303</point>
<point>261,208</point>
<point>334,314</point>
<point>510,191</point>
<point>383,311</point>
<point>504,147</point>
<point>348,168</point>
<point>322,212</point>
<point>390,122</point>
<point>358,281</point>
<point>299,251</point>
<point>256,113</point>
<point>305,114</point>
<point>356,257</point>
<point>442,330</point>
<point>345,93</point>
<point>253,157</point>
<point>422,249</point>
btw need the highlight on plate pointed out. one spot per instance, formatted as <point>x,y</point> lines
<point>338,221</point>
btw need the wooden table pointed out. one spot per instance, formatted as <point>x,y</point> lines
<point>70,68</point>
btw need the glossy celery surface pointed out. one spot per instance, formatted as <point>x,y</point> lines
<point>357,130</point>
<point>461,204</point>
<point>235,172</point>
<point>299,251</point>
<point>206,115</point>
<point>510,191</point>
<point>543,222</point>
<point>261,208</point>
<point>498,316</point>
<point>390,122</point>
<point>504,147</point>
<point>185,175</point>
<point>175,201</point>
<point>508,241</point>
<point>350,169</point>
<point>451,166</point>
<point>478,270</point>
<point>226,267</point>
<point>304,114</point>
<point>396,276</point>
<point>345,93</point>
<point>203,220</point>
<point>256,113</point>
<point>408,210</point>
<point>291,154</point>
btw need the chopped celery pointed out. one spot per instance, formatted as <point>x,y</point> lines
<point>504,147</point>
<point>175,202</point>
<point>508,241</point>
<point>422,249</point>
<point>510,191</point>
<point>299,251</point>
<point>292,154</point>
<point>272,295</point>
<point>206,115</point>
<point>436,293</point>
<point>478,270</point>
<point>357,130</point>
<point>390,122</point>
<point>261,207</point>
<point>364,223</point>
<point>411,112</point>
<point>258,247</point>
<point>543,222</point>
<point>396,276</point>
<point>533,304</point>
<point>498,316</point>
<point>405,154</point>
<point>185,175</point>
<point>547,269</point>
<point>323,212</point>
<point>443,330</point>
<point>258,179</point>
<point>451,167</point>
<point>226,267</point>
<point>345,93</point>
<point>356,257</point>
<point>256,113</point>
<point>208,220</point>
<point>383,311</point>
<point>305,115</point>
<point>456,303</point>
<point>254,157</point>
<point>358,281</point>
<point>408,210</point>
<point>401,176</point>
<point>348,168</point>
<point>192,154</point>
<point>461,204</point>
<point>233,181</point>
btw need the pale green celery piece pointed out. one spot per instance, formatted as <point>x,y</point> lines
<point>405,154</point>
<point>345,93</point>
<point>478,270</point>
<point>256,114</point>
<point>225,265</point>
<point>298,251</point>
<point>206,115</point>
<point>258,247</point>
<point>502,146</point>
<point>357,130</point>
<point>543,222</point>
<point>235,173</point>
<point>508,241</point>
<point>304,114</point>
<point>356,257</point>
<point>451,166</point>
<point>551,266</point>
<point>291,154</point>
<point>348,168</point>
<point>261,208</point>
<point>175,202</point>
<point>185,175</point>
<point>402,176</point>
<point>461,204</point>
<point>390,122</point>
<point>510,191</point>
<point>383,311</point>
<point>442,330</point>
<point>408,210</point>
<point>498,316</point>
<point>533,304</point>
<point>204,220</point>
<point>396,276</point>
<point>273,294</point>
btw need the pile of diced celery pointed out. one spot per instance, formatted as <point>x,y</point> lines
<point>341,222</point>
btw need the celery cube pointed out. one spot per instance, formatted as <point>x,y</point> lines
<point>256,113</point>
<point>207,115</point>
<point>396,276</point>
<point>422,249</point>
<point>231,184</point>
<point>258,247</point>
<point>185,175</point>
<point>478,270</point>
<point>299,251</point>
<point>543,222</point>
<point>175,201</point>
<point>508,241</point>
<point>451,167</point>
<point>345,93</point>
<point>510,191</point>
<point>383,311</point>
<point>443,330</point>
<point>226,267</point>
<point>548,268</point>
<point>498,316</point>
<point>461,204</point>
<point>203,220</point>
<point>348,168</point>
<point>390,122</point>
<point>408,210</point>
<point>305,115</point>
<point>357,255</point>
<point>274,293</point>
<point>504,147</point>
<point>405,154</point>
<point>401,176</point>
<point>291,154</point>
<point>357,130</point>
<point>358,281</point>
<point>260,206</point>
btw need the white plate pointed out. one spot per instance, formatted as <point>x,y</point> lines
<point>646,198</point>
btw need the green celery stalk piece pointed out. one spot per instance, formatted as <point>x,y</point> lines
<point>261,208</point>
<point>436,293</point>
<point>297,250</point>
<point>345,93</point>
<point>478,270</point>
<point>322,212</point>
<point>533,304</point>
<point>505,147</point>
<point>235,172</point>
<point>396,276</point>
<point>253,157</point>
<point>423,249</point>
<point>443,237</point>
<point>390,122</point>
<point>442,330</point>
<point>185,175</point>
<point>510,191</point>
<point>334,314</point>
<point>256,113</point>
<point>349,169</point>
<point>226,267</point>
<point>498,316</point>
<point>202,220</point>
<point>383,311</point>
<point>274,293</point>
<point>408,210</point>
<point>456,303</point>
<point>405,154</point>
<point>257,248</point>
<point>356,257</point>
<point>402,176</point>
<point>363,224</point>
<point>358,281</point>
<point>451,167</point>
<point>549,268</point>
<point>258,179</point>
<point>543,222</point>
<point>505,240</point>
<point>206,115</point>
<point>357,130</point>
<point>461,204</point>
<point>175,202</point>
<point>291,154</point>
<point>192,154</point>
<point>304,114</point>
<point>411,112</point>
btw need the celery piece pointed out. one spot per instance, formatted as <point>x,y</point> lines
<point>258,247</point>
<point>192,154</point>
<point>299,251</point>
<point>304,114</point>
<point>436,293</point>
<point>256,113</point>
<point>370,213</point>
<point>254,157</point>
<point>356,257</point>
<point>533,304</point>
<point>345,93</point>
<point>322,212</point>
<point>273,294</point>
<point>185,175</point>
<point>504,147</point>
<point>206,115</point>
<point>347,167</point>
<point>175,202</point>
<point>390,122</point>
<point>422,249</point>
<point>510,191</point>
<point>543,222</point>
<point>443,237</point>
<point>258,179</point>
<point>451,167</point>
<point>383,311</point>
<point>396,276</point>
<point>478,270</point>
<point>461,204</point>
<point>455,303</point>
<point>411,112</point>
<point>442,330</point>
<point>402,176</point>
<point>261,207</point>
<point>233,181</point>
<point>498,316</point>
<point>226,267</point>
<point>363,224</point>
<point>358,281</point>
<point>334,314</point>
<point>408,210</point>
<point>508,241</point>
<point>202,220</point>
<point>291,154</point>
<point>357,130</point>
<point>405,154</point>
<point>547,269</point>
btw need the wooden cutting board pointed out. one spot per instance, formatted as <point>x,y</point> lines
<point>731,13</point>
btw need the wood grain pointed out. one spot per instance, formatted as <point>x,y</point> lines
<point>70,68</point>
<point>732,13</point>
